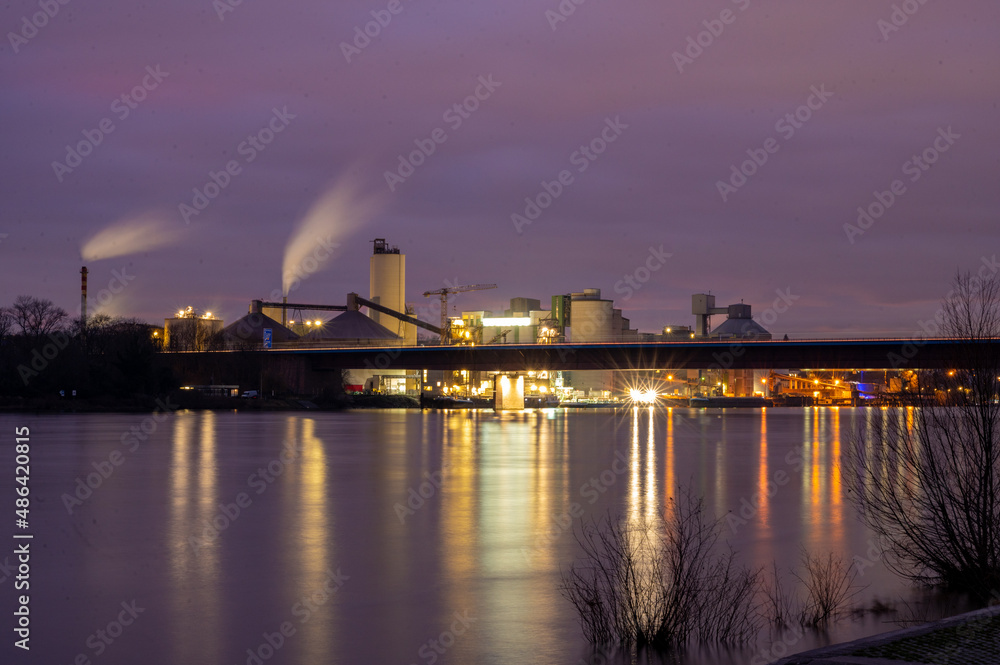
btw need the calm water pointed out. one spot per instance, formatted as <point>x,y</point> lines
<point>391,536</point>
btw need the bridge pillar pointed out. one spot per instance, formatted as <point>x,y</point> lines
<point>508,392</point>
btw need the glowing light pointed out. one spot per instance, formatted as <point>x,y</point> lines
<point>638,396</point>
<point>512,321</point>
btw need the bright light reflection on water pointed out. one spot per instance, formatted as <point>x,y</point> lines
<point>405,536</point>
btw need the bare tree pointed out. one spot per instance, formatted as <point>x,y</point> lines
<point>36,317</point>
<point>927,479</point>
<point>829,585</point>
<point>6,323</point>
<point>660,584</point>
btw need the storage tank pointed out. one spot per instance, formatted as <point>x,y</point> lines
<point>387,287</point>
<point>592,321</point>
<point>593,317</point>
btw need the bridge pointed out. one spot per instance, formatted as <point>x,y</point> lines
<point>893,354</point>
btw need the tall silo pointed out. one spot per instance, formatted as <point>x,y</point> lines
<point>591,321</point>
<point>592,317</point>
<point>387,287</point>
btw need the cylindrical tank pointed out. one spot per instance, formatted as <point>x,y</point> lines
<point>387,287</point>
<point>592,320</point>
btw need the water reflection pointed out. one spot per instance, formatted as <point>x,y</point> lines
<point>669,482</point>
<point>822,485</point>
<point>491,538</point>
<point>194,546</point>
<point>763,479</point>
<point>312,528</point>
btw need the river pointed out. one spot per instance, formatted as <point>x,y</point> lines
<point>399,536</point>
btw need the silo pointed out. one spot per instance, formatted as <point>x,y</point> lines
<point>592,321</point>
<point>387,287</point>
<point>592,317</point>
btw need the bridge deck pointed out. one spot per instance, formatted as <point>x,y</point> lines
<point>923,353</point>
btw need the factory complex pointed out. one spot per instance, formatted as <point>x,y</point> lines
<point>386,319</point>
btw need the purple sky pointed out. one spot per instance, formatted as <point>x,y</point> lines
<point>656,184</point>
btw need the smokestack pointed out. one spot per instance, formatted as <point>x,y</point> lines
<point>83,297</point>
<point>284,311</point>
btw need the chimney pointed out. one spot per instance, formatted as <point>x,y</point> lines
<point>284,311</point>
<point>83,297</point>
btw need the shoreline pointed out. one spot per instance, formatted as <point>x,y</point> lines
<point>184,400</point>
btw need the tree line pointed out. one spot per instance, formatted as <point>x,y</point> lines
<point>46,353</point>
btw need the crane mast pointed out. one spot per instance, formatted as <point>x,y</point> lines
<point>443,293</point>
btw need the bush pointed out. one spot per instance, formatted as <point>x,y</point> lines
<point>662,584</point>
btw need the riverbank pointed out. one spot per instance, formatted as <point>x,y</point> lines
<point>188,400</point>
<point>973,638</point>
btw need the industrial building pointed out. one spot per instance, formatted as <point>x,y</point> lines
<point>387,287</point>
<point>247,334</point>
<point>190,330</point>
<point>385,319</point>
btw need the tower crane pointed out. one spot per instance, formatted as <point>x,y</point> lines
<point>444,293</point>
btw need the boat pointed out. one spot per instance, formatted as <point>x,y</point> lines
<point>729,402</point>
<point>541,402</point>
